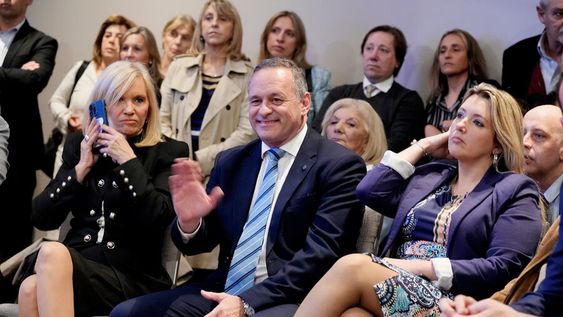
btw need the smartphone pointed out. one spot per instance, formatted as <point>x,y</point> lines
<point>98,112</point>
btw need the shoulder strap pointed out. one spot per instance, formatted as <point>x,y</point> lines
<point>79,73</point>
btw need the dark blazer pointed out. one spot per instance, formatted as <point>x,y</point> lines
<point>133,197</point>
<point>315,221</point>
<point>19,89</point>
<point>548,299</point>
<point>400,109</point>
<point>492,235</point>
<point>519,62</point>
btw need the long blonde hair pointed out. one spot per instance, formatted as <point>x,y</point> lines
<point>506,118</point>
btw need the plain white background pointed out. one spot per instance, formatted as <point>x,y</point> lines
<point>334,28</point>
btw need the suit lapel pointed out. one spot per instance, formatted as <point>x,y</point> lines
<point>249,169</point>
<point>303,163</point>
<point>483,190</point>
<point>16,45</point>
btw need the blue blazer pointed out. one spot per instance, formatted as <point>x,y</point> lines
<point>314,222</point>
<point>548,299</point>
<point>492,235</point>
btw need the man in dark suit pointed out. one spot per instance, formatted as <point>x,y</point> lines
<point>401,110</point>
<point>530,68</point>
<point>27,58</point>
<point>313,220</point>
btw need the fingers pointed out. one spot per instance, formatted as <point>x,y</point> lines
<point>215,196</point>
<point>188,169</point>
<point>447,307</point>
<point>31,65</point>
<point>216,297</point>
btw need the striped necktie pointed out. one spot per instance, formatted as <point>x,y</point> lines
<point>243,266</point>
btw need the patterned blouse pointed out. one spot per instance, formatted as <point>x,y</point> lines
<point>425,230</point>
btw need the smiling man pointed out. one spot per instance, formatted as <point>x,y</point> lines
<point>401,110</point>
<point>282,208</point>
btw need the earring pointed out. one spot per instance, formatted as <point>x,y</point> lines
<point>201,39</point>
<point>495,161</point>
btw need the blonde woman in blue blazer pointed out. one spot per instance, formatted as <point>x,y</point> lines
<point>460,226</point>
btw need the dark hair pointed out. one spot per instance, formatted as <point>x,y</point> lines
<point>399,42</point>
<point>111,20</point>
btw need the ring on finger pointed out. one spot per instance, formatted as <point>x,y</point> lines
<point>86,137</point>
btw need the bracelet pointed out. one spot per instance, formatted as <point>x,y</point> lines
<point>415,142</point>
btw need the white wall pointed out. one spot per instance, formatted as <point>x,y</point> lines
<point>335,29</point>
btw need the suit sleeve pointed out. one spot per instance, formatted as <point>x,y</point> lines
<point>407,123</point>
<point>507,253</point>
<point>43,52</point>
<point>548,299</point>
<point>333,233</point>
<point>4,135</point>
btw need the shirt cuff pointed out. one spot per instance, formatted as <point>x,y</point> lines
<point>443,269</point>
<point>394,161</point>
<point>186,237</point>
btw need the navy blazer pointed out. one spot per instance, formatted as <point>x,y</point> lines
<point>19,89</point>
<point>315,221</point>
<point>493,234</point>
<point>548,299</point>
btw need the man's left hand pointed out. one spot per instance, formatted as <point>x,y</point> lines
<point>31,65</point>
<point>229,305</point>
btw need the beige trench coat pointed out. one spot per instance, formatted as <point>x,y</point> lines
<point>225,123</point>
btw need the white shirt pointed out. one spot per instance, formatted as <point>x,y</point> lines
<point>6,39</point>
<point>551,194</point>
<point>383,85</point>
<point>291,149</point>
<point>549,67</point>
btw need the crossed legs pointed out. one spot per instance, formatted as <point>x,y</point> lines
<point>347,289</point>
<point>49,292</point>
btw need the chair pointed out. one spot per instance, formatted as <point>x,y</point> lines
<point>368,239</point>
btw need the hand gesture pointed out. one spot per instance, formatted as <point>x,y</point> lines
<point>190,200</point>
<point>74,122</point>
<point>87,158</point>
<point>115,145</point>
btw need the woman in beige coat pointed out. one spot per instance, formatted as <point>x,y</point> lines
<point>204,97</point>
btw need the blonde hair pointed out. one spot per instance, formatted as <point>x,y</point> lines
<point>376,144</point>
<point>115,81</point>
<point>152,48</point>
<point>506,118</point>
<point>225,8</point>
<point>300,46</point>
<point>177,22</point>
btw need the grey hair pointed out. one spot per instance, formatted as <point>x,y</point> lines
<point>299,81</point>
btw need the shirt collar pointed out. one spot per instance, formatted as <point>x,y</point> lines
<point>552,191</point>
<point>383,85</point>
<point>15,28</point>
<point>541,46</point>
<point>291,147</point>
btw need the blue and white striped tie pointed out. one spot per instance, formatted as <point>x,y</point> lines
<point>243,266</point>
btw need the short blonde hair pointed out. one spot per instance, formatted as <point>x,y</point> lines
<point>376,140</point>
<point>301,43</point>
<point>506,118</point>
<point>115,81</point>
<point>227,9</point>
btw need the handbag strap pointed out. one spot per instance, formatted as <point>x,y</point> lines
<point>79,73</point>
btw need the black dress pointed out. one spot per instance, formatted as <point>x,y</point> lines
<point>120,216</point>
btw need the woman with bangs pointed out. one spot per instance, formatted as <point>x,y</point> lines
<point>119,200</point>
<point>204,94</point>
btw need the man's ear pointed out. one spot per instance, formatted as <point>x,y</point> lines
<point>541,13</point>
<point>306,103</point>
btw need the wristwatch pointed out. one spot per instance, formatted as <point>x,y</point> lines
<point>248,310</point>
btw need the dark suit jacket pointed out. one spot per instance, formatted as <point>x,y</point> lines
<point>315,221</point>
<point>19,89</point>
<point>136,206</point>
<point>548,299</point>
<point>400,109</point>
<point>519,62</point>
<point>492,235</point>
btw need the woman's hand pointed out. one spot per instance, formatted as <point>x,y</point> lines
<point>115,145</point>
<point>436,145</point>
<point>87,158</point>
<point>416,267</point>
<point>74,122</point>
